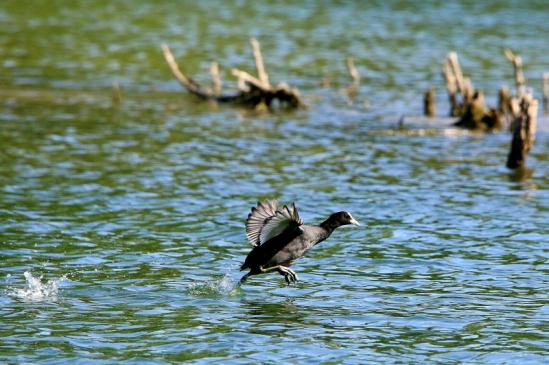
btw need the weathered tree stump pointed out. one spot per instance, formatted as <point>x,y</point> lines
<point>522,115</point>
<point>470,106</point>
<point>252,91</point>
<point>503,101</point>
<point>516,103</point>
<point>429,108</point>
<point>524,132</point>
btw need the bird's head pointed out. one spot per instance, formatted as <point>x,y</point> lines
<point>340,219</point>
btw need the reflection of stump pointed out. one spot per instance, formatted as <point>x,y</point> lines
<point>252,91</point>
<point>429,103</point>
<point>524,132</point>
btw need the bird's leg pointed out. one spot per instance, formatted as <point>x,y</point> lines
<point>289,274</point>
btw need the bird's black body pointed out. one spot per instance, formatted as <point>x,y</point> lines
<point>280,238</point>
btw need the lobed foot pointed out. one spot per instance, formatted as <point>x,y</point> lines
<point>289,275</point>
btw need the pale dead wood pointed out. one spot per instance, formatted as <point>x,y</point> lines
<point>355,76</point>
<point>516,60</point>
<point>503,100</point>
<point>352,90</point>
<point>455,67</point>
<point>468,90</point>
<point>184,80</point>
<point>451,86</point>
<point>259,65</point>
<point>466,102</point>
<point>247,79</point>
<point>252,91</point>
<point>216,79</point>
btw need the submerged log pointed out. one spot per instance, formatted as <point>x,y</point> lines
<point>524,132</point>
<point>252,91</point>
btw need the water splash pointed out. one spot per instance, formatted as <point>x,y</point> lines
<point>36,290</point>
<point>225,285</point>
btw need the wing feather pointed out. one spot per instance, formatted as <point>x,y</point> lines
<point>284,219</point>
<point>267,221</point>
<point>258,218</point>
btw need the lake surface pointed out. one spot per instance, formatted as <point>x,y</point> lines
<point>122,226</point>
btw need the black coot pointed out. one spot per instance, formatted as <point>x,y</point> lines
<point>279,238</point>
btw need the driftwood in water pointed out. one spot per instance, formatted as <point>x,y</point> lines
<point>466,102</point>
<point>252,91</point>
<point>524,132</point>
<point>352,90</point>
<point>429,109</point>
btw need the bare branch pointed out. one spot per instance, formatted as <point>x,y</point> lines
<point>355,76</point>
<point>249,79</point>
<point>184,80</point>
<point>252,91</point>
<point>261,73</point>
<point>216,79</point>
<point>456,70</point>
<point>516,60</point>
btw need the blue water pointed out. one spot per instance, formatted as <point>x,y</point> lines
<point>122,226</point>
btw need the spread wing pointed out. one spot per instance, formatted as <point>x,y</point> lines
<point>257,219</point>
<point>267,221</point>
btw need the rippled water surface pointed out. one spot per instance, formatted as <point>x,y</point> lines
<point>122,226</point>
